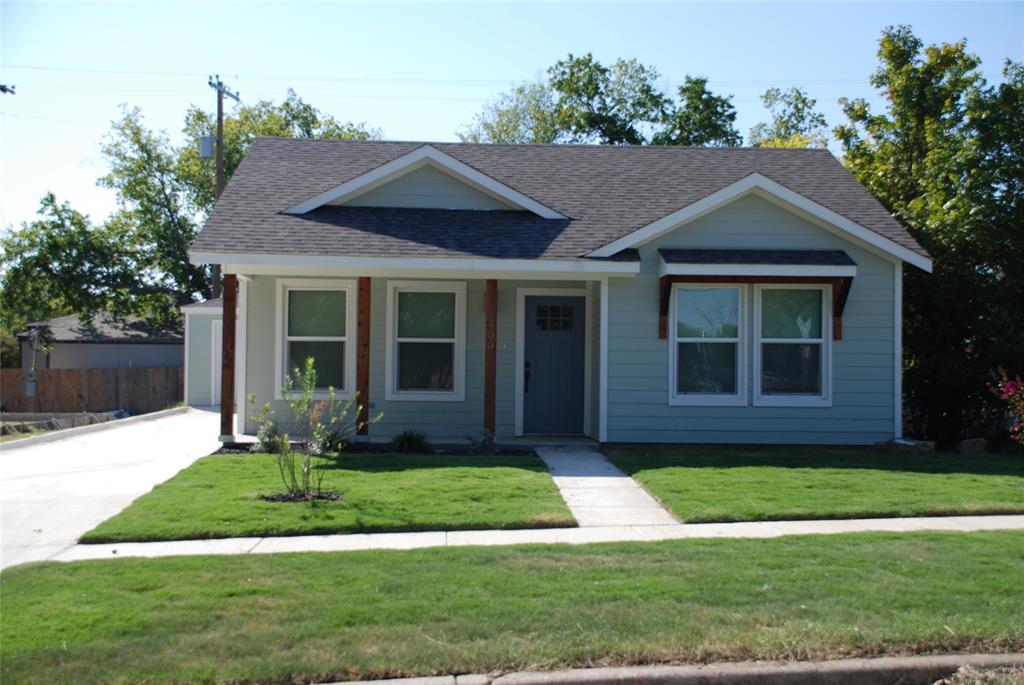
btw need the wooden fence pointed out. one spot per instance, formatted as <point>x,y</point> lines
<point>137,390</point>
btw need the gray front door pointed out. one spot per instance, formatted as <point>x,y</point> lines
<point>553,365</point>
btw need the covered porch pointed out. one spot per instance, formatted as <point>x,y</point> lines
<point>449,352</point>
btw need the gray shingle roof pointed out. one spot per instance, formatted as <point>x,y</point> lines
<point>215,302</point>
<point>799,257</point>
<point>101,328</point>
<point>606,191</point>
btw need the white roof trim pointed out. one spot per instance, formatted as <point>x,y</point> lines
<point>241,261</point>
<point>410,162</point>
<point>812,270</point>
<point>189,311</point>
<point>775,192</point>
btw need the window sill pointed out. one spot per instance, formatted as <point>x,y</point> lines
<point>707,401</point>
<point>791,401</point>
<point>317,395</point>
<point>413,396</point>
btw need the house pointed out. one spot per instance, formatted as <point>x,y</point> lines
<point>629,294</point>
<point>101,342</point>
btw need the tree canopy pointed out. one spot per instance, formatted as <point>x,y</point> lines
<point>136,261</point>
<point>794,121</point>
<point>945,157</point>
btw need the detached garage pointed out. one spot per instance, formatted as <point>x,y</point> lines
<point>203,335</point>
<point>102,342</point>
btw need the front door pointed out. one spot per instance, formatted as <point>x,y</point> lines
<point>553,366</point>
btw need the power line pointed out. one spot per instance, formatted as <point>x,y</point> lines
<point>401,81</point>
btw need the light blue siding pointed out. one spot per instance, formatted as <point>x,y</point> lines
<point>427,187</point>
<point>862,363</point>
<point>200,358</point>
<point>448,420</point>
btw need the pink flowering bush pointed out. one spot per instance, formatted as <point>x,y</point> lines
<point>1011,390</point>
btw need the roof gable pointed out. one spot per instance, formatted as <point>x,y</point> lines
<point>426,187</point>
<point>477,188</point>
<point>768,189</point>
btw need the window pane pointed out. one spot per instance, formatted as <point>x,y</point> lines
<point>791,313</point>
<point>329,361</point>
<point>316,312</point>
<point>706,368</point>
<point>426,366</point>
<point>788,369</point>
<point>707,312</point>
<point>426,315</point>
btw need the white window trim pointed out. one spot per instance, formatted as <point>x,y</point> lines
<point>825,398</point>
<point>458,394</point>
<point>710,400</point>
<point>346,285</point>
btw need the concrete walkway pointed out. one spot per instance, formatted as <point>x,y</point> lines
<point>572,536</point>
<point>54,491</point>
<point>598,493</point>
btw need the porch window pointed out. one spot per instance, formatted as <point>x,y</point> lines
<point>793,333</point>
<point>426,332</point>
<point>707,359</point>
<point>316,319</point>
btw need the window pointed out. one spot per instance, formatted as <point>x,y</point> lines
<point>555,317</point>
<point>426,333</point>
<point>792,357</point>
<point>316,319</point>
<point>707,357</point>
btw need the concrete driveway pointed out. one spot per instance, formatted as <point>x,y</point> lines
<point>53,492</point>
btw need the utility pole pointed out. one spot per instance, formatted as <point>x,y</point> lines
<point>218,187</point>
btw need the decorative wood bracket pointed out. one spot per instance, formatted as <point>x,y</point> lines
<point>840,293</point>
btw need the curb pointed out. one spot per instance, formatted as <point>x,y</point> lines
<point>883,671</point>
<point>53,436</point>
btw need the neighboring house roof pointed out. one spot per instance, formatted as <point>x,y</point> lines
<point>606,193</point>
<point>103,329</point>
<point>213,303</point>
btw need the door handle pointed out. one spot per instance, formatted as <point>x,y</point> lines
<point>526,377</point>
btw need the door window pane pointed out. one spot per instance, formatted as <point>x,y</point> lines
<point>426,366</point>
<point>426,315</point>
<point>791,313</point>
<point>319,313</point>
<point>328,360</point>
<point>706,368</point>
<point>707,312</point>
<point>788,369</point>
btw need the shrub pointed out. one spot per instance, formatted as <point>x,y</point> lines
<point>483,443</point>
<point>329,424</point>
<point>1011,391</point>
<point>411,442</point>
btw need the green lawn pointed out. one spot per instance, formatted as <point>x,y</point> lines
<point>322,617</point>
<point>735,483</point>
<point>219,496</point>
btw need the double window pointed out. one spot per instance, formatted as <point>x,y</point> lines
<point>791,352</point>
<point>316,319</point>
<point>426,333</point>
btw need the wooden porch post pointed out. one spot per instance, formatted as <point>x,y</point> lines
<point>227,374</point>
<point>490,351</point>
<point>363,358</point>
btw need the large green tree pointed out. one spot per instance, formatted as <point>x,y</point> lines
<point>525,114</point>
<point>136,262</point>
<point>945,158</point>
<point>584,101</point>
<point>794,121</point>
<point>699,118</point>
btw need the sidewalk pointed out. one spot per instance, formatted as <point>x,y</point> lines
<point>572,536</point>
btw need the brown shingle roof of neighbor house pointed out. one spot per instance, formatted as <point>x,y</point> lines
<point>606,192</point>
<point>217,302</point>
<point>102,328</point>
<point>774,257</point>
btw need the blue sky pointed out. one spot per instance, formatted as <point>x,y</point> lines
<point>418,71</point>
